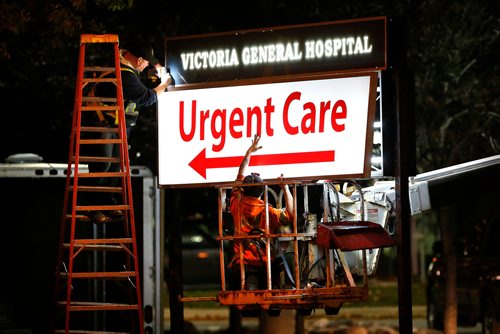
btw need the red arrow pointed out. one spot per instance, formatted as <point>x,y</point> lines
<point>201,163</point>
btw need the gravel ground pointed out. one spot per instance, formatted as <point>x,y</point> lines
<point>355,320</point>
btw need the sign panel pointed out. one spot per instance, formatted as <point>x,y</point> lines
<point>309,129</point>
<point>352,45</point>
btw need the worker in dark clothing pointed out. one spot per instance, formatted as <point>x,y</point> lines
<point>135,57</point>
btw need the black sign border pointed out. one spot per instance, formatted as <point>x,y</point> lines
<point>228,77</point>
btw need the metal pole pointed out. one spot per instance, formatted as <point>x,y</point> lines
<point>174,273</point>
<point>404,132</point>
<point>396,82</point>
<point>392,84</point>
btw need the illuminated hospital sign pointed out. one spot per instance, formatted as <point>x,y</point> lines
<point>276,53</point>
<point>309,128</point>
<point>314,48</point>
<point>309,91</point>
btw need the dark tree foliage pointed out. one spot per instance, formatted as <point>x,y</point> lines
<point>453,51</point>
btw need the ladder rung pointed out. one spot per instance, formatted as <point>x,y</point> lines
<point>101,207</point>
<point>102,274</point>
<point>98,189</point>
<point>102,174</point>
<point>101,108</point>
<point>80,331</point>
<point>90,306</point>
<point>97,159</point>
<point>99,69</point>
<point>98,129</point>
<point>96,80</point>
<point>99,99</point>
<point>102,141</point>
<point>84,218</point>
<point>78,217</point>
<point>83,242</point>
<point>98,247</point>
<point>84,331</point>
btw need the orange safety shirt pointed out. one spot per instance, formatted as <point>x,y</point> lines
<point>248,214</point>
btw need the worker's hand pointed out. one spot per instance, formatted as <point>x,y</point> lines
<point>281,178</point>
<point>167,78</point>
<point>158,69</point>
<point>164,75</point>
<point>255,144</point>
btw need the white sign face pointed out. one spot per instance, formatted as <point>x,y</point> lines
<point>308,129</point>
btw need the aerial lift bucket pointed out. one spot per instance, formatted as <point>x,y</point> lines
<point>353,235</point>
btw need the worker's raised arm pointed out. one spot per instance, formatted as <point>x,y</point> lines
<point>246,159</point>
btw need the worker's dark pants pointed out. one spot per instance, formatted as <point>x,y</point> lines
<point>256,276</point>
<point>103,150</point>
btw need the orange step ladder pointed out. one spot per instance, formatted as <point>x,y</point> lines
<point>97,273</point>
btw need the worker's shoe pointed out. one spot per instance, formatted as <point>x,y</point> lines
<point>117,214</point>
<point>98,218</point>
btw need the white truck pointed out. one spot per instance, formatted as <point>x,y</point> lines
<point>32,203</point>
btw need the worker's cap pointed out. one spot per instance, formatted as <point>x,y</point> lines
<point>141,49</point>
<point>254,191</point>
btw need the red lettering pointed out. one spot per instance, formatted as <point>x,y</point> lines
<point>236,120</point>
<point>221,132</point>
<point>324,107</point>
<point>254,113</point>
<point>309,118</point>
<point>187,136</point>
<point>220,126</point>
<point>268,110</point>
<point>308,122</point>
<point>293,130</point>
<point>204,115</point>
<point>336,115</point>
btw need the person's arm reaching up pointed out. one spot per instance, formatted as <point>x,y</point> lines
<point>246,159</point>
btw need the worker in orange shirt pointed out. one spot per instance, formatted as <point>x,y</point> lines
<point>248,212</point>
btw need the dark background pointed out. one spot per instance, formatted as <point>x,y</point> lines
<point>452,54</point>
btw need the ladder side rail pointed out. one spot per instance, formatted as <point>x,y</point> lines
<point>122,143</point>
<point>128,185</point>
<point>130,263</point>
<point>76,141</point>
<point>68,184</point>
<point>123,146</point>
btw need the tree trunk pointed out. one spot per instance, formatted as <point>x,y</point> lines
<point>450,263</point>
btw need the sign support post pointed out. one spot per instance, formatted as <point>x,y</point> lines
<point>398,84</point>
